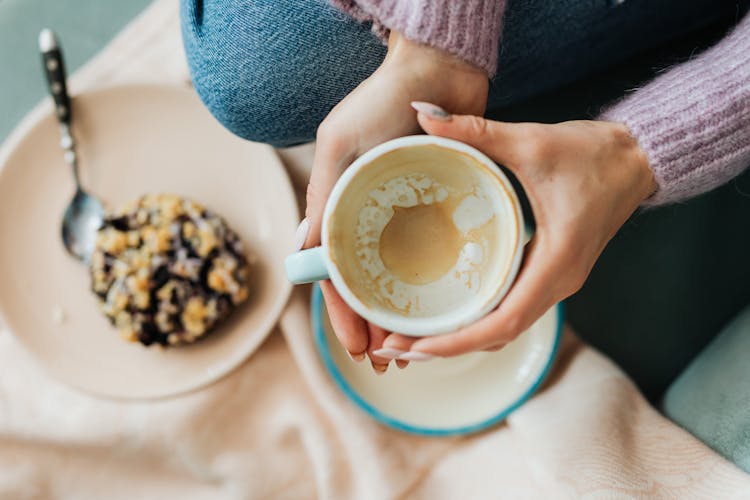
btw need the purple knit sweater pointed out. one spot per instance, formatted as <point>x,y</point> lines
<point>692,121</point>
<point>469,29</point>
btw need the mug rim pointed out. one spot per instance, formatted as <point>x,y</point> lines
<point>421,326</point>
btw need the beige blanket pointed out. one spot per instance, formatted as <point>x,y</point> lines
<point>277,427</point>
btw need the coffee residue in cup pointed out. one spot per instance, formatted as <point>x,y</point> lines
<point>422,232</point>
<point>420,243</point>
<point>415,236</point>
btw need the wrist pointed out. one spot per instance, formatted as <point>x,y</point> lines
<point>437,76</point>
<point>429,58</point>
<point>644,182</point>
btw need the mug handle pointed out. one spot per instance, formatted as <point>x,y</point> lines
<point>306,266</point>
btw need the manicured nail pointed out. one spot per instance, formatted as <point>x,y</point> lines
<point>431,111</point>
<point>356,357</point>
<point>388,353</point>
<point>301,235</point>
<point>416,356</point>
<point>380,369</point>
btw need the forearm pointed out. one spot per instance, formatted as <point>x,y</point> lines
<point>468,29</point>
<point>693,121</point>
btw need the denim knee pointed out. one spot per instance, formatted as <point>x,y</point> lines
<point>239,78</point>
<point>271,71</point>
<point>260,113</point>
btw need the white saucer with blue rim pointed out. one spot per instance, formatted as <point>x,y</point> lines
<point>446,396</point>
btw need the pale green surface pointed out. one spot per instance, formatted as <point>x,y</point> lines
<point>84,27</point>
<point>711,398</point>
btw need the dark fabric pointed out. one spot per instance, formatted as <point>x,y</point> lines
<point>547,44</point>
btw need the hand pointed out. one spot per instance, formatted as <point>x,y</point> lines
<point>376,111</point>
<point>583,180</point>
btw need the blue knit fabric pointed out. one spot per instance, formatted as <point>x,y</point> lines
<point>270,71</point>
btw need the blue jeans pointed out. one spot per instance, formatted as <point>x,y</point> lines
<point>271,70</point>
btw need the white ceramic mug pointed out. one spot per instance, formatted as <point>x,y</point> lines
<point>356,214</point>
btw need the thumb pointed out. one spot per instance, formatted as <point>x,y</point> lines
<point>498,140</point>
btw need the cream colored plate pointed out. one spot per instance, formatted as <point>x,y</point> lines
<point>135,140</point>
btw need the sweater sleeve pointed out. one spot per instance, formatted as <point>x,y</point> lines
<point>468,29</point>
<point>693,121</point>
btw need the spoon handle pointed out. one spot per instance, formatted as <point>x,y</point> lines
<point>54,68</point>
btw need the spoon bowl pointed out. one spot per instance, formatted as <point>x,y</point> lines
<point>83,217</point>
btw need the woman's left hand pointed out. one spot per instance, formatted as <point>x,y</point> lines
<point>376,111</point>
<point>583,180</point>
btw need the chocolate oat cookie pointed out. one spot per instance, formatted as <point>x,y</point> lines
<point>167,270</point>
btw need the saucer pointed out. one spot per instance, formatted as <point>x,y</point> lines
<point>444,396</point>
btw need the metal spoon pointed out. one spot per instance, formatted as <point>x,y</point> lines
<point>84,214</point>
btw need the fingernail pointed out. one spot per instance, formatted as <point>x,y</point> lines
<point>380,369</point>
<point>356,357</point>
<point>401,363</point>
<point>387,353</point>
<point>301,235</point>
<point>416,356</point>
<point>431,111</point>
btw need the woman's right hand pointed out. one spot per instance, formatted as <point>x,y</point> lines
<point>583,180</point>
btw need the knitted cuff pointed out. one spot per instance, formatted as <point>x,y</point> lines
<point>468,29</point>
<point>693,121</point>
